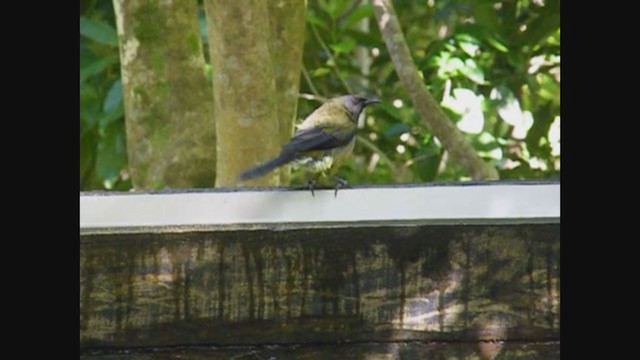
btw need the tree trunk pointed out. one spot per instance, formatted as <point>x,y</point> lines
<point>256,54</point>
<point>243,88</point>
<point>431,113</point>
<point>169,116</point>
<point>287,42</point>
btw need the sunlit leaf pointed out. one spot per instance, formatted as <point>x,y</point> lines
<point>497,44</point>
<point>472,71</point>
<point>470,48</point>
<point>449,66</point>
<point>511,112</point>
<point>539,129</point>
<point>469,105</point>
<point>320,72</point>
<point>344,46</point>
<point>485,142</point>
<point>466,38</point>
<point>549,88</point>
<point>98,31</point>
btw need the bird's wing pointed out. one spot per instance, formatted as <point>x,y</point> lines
<point>319,139</point>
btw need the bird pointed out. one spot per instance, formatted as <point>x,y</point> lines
<point>321,143</point>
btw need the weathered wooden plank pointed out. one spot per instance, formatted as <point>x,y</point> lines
<point>386,283</point>
<point>404,351</point>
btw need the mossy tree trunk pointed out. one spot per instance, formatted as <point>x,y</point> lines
<point>287,40</point>
<point>169,114</point>
<point>256,53</point>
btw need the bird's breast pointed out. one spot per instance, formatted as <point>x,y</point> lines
<point>314,165</point>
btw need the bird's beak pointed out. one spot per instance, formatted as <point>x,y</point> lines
<point>371,101</point>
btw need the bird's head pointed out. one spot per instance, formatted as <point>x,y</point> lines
<point>355,104</point>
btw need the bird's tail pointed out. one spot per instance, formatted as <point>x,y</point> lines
<point>262,169</point>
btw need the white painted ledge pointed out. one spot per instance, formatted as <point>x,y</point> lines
<point>254,209</point>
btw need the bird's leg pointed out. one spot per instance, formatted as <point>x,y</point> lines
<point>311,184</point>
<point>340,184</point>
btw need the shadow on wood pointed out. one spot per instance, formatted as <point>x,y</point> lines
<point>423,283</point>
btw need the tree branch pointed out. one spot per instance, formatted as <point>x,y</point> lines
<point>430,112</point>
<point>307,78</point>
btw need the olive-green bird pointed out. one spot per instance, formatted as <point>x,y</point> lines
<point>323,141</point>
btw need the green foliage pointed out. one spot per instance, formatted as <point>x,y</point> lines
<point>493,65</point>
<point>102,131</point>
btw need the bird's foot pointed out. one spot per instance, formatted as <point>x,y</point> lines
<point>311,184</point>
<point>340,184</point>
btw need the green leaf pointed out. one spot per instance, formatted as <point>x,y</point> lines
<point>391,110</point>
<point>87,152</point>
<point>89,107</point>
<point>320,72</point>
<point>429,161</point>
<point>476,31</point>
<point>485,141</point>
<point>111,116</point>
<point>325,5</point>
<point>368,39</point>
<point>87,55</point>
<point>96,67</point>
<point>315,20</point>
<point>396,130</point>
<point>485,14</point>
<point>358,14</point>
<point>98,31</point>
<point>469,48</point>
<point>497,44</point>
<point>344,46</point>
<point>544,25</point>
<point>472,71</point>
<point>448,66</point>
<point>539,129</point>
<point>334,7</point>
<point>549,88</point>
<point>340,7</point>
<point>467,38</point>
<point>114,96</point>
<point>111,154</point>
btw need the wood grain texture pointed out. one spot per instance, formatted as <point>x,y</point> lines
<point>321,286</point>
